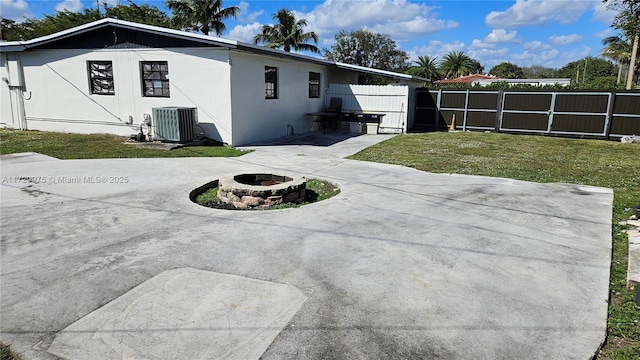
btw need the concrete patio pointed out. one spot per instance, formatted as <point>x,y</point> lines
<point>402,264</point>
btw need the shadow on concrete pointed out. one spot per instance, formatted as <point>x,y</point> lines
<point>312,139</point>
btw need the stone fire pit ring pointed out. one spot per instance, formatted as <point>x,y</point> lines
<point>261,190</point>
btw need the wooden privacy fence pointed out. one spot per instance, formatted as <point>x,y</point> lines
<point>564,113</point>
<point>392,100</point>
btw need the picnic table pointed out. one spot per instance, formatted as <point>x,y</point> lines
<point>326,118</point>
<point>372,119</point>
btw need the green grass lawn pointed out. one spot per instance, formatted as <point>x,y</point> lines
<point>542,159</point>
<point>96,146</point>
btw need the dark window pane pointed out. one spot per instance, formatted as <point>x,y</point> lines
<point>101,78</point>
<point>270,82</point>
<point>155,78</point>
<point>314,85</point>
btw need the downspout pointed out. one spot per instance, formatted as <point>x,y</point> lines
<point>22,114</point>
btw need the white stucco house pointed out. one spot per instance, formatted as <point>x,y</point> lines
<point>105,76</point>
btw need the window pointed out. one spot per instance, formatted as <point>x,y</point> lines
<point>270,82</point>
<point>155,78</point>
<point>314,85</point>
<point>101,77</point>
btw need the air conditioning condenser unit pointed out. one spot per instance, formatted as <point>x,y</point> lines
<point>175,123</point>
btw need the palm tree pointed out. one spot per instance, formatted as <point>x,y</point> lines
<point>426,67</point>
<point>456,64</point>
<point>201,15</point>
<point>287,33</point>
<point>618,50</point>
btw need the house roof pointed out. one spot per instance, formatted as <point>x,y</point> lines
<point>488,79</point>
<point>466,79</point>
<point>206,40</point>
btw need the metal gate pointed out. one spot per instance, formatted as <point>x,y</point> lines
<point>563,113</point>
<point>556,113</point>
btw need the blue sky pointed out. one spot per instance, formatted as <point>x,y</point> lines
<point>550,33</point>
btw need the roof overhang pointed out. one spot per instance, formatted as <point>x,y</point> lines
<point>16,46</point>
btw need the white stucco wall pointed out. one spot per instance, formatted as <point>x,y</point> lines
<point>256,118</point>
<point>59,99</point>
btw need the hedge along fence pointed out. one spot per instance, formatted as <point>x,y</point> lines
<point>565,113</point>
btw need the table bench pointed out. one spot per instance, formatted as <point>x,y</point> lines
<point>325,118</point>
<point>372,120</point>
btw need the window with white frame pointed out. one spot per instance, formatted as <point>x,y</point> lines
<point>270,82</point>
<point>155,78</point>
<point>101,77</point>
<point>314,85</point>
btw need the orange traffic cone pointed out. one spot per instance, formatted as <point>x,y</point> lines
<point>452,127</point>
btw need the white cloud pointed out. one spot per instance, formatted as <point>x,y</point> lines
<point>602,13</point>
<point>244,6</point>
<point>250,16</point>
<point>575,54</point>
<point>71,5</point>
<point>401,19</point>
<point>501,36</point>
<point>564,39</point>
<point>523,57</point>
<point>532,45</point>
<point>538,12</point>
<point>604,33</point>
<point>437,48</point>
<point>489,57</point>
<point>245,32</point>
<point>14,9</point>
<point>479,44</point>
<point>549,55</point>
<point>547,58</point>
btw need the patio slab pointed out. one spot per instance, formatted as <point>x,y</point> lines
<point>401,264</point>
<point>184,314</point>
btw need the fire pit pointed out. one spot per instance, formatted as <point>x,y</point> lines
<point>247,191</point>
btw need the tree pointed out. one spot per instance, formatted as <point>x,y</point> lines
<point>426,67</point>
<point>201,15</point>
<point>62,20</point>
<point>538,72</point>
<point>628,20</point>
<point>10,30</point>
<point>618,50</point>
<point>507,70</point>
<point>456,64</point>
<point>477,67</point>
<point>144,14</point>
<point>587,69</point>
<point>32,27</point>
<point>365,48</point>
<point>287,33</point>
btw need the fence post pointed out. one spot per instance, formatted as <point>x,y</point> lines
<point>499,106</point>
<point>466,111</point>
<point>552,108</point>
<point>438,101</point>
<point>609,118</point>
